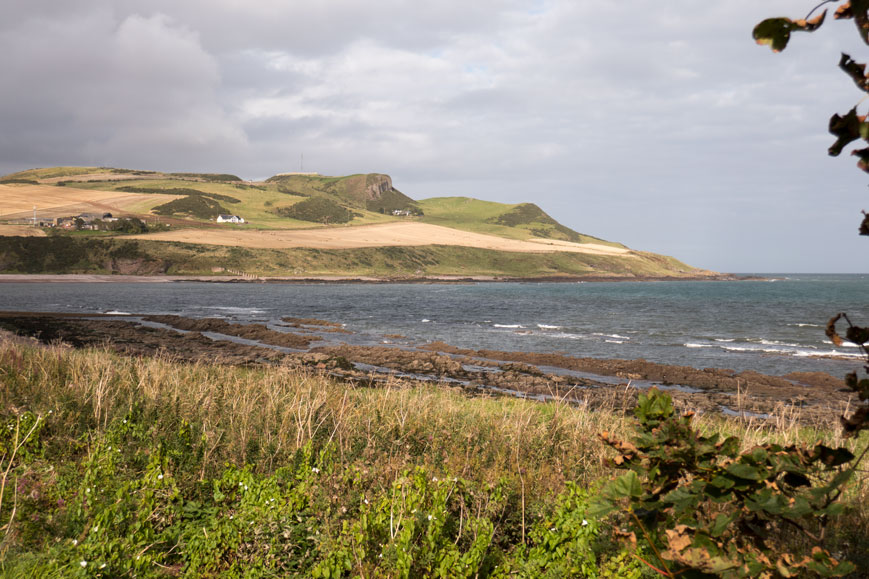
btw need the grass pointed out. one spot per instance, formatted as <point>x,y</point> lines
<point>138,461</point>
<point>276,205</point>
<point>62,254</point>
<point>513,221</point>
<point>53,172</point>
<point>256,204</point>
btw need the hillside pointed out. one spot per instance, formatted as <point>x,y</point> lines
<point>359,224</point>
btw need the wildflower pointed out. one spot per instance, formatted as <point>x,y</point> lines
<point>83,563</point>
<point>103,566</point>
<point>87,490</point>
<point>74,542</point>
<point>584,523</point>
<point>434,479</point>
<point>159,477</point>
<point>365,501</point>
<point>315,469</point>
<point>430,517</point>
<point>552,530</point>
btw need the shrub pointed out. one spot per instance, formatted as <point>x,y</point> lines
<point>702,506</point>
<point>317,209</point>
<point>195,206</point>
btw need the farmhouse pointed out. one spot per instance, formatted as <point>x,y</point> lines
<point>229,219</point>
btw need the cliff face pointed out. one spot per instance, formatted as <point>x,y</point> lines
<point>376,185</point>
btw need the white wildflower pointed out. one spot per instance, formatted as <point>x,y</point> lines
<point>83,563</point>
<point>315,469</point>
<point>584,523</point>
<point>159,477</point>
<point>74,542</point>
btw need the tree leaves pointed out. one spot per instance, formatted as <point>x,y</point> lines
<point>776,32</point>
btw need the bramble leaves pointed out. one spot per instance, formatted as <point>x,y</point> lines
<point>846,130</point>
<point>724,513</point>
<point>856,71</point>
<point>776,32</point>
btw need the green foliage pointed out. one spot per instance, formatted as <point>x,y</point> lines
<point>12,180</point>
<point>318,210</point>
<point>531,214</point>
<point>392,200</point>
<point>180,191</point>
<point>562,543</point>
<point>198,206</point>
<point>63,254</point>
<point>211,177</point>
<point>419,527</point>
<point>705,509</point>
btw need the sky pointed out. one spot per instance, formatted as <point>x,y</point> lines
<point>661,125</point>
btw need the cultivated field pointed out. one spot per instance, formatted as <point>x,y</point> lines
<point>386,234</point>
<point>17,201</point>
<point>20,231</point>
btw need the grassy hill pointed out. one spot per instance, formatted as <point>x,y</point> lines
<point>518,221</point>
<point>288,202</point>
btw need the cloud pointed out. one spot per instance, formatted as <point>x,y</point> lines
<point>94,89</point>
<point>643,122</point>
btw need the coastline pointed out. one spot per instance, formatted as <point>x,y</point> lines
<point>349,279</point>
<point>314,345</point>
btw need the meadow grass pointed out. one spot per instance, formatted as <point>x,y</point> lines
<point>145,457</point>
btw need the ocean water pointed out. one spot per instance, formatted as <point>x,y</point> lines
<point>773,327</point>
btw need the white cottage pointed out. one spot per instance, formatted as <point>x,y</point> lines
<point>229,219</point>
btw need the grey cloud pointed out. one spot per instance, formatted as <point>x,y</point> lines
<point>656,124</point>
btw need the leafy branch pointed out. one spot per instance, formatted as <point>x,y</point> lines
<point>704,508</point>
<point>850,127</point>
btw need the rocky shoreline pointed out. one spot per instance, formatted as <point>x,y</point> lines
<point>110,278</point>
<point>315,345</point>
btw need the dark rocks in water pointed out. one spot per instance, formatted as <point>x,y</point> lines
<point>808,398</point>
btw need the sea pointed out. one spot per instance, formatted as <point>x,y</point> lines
<point>773,326</point>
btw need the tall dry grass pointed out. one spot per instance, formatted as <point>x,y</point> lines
<point>262,416</point>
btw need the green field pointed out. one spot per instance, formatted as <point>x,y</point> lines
<point>517,221</point>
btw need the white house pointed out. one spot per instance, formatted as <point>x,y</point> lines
<point>229,219</point>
